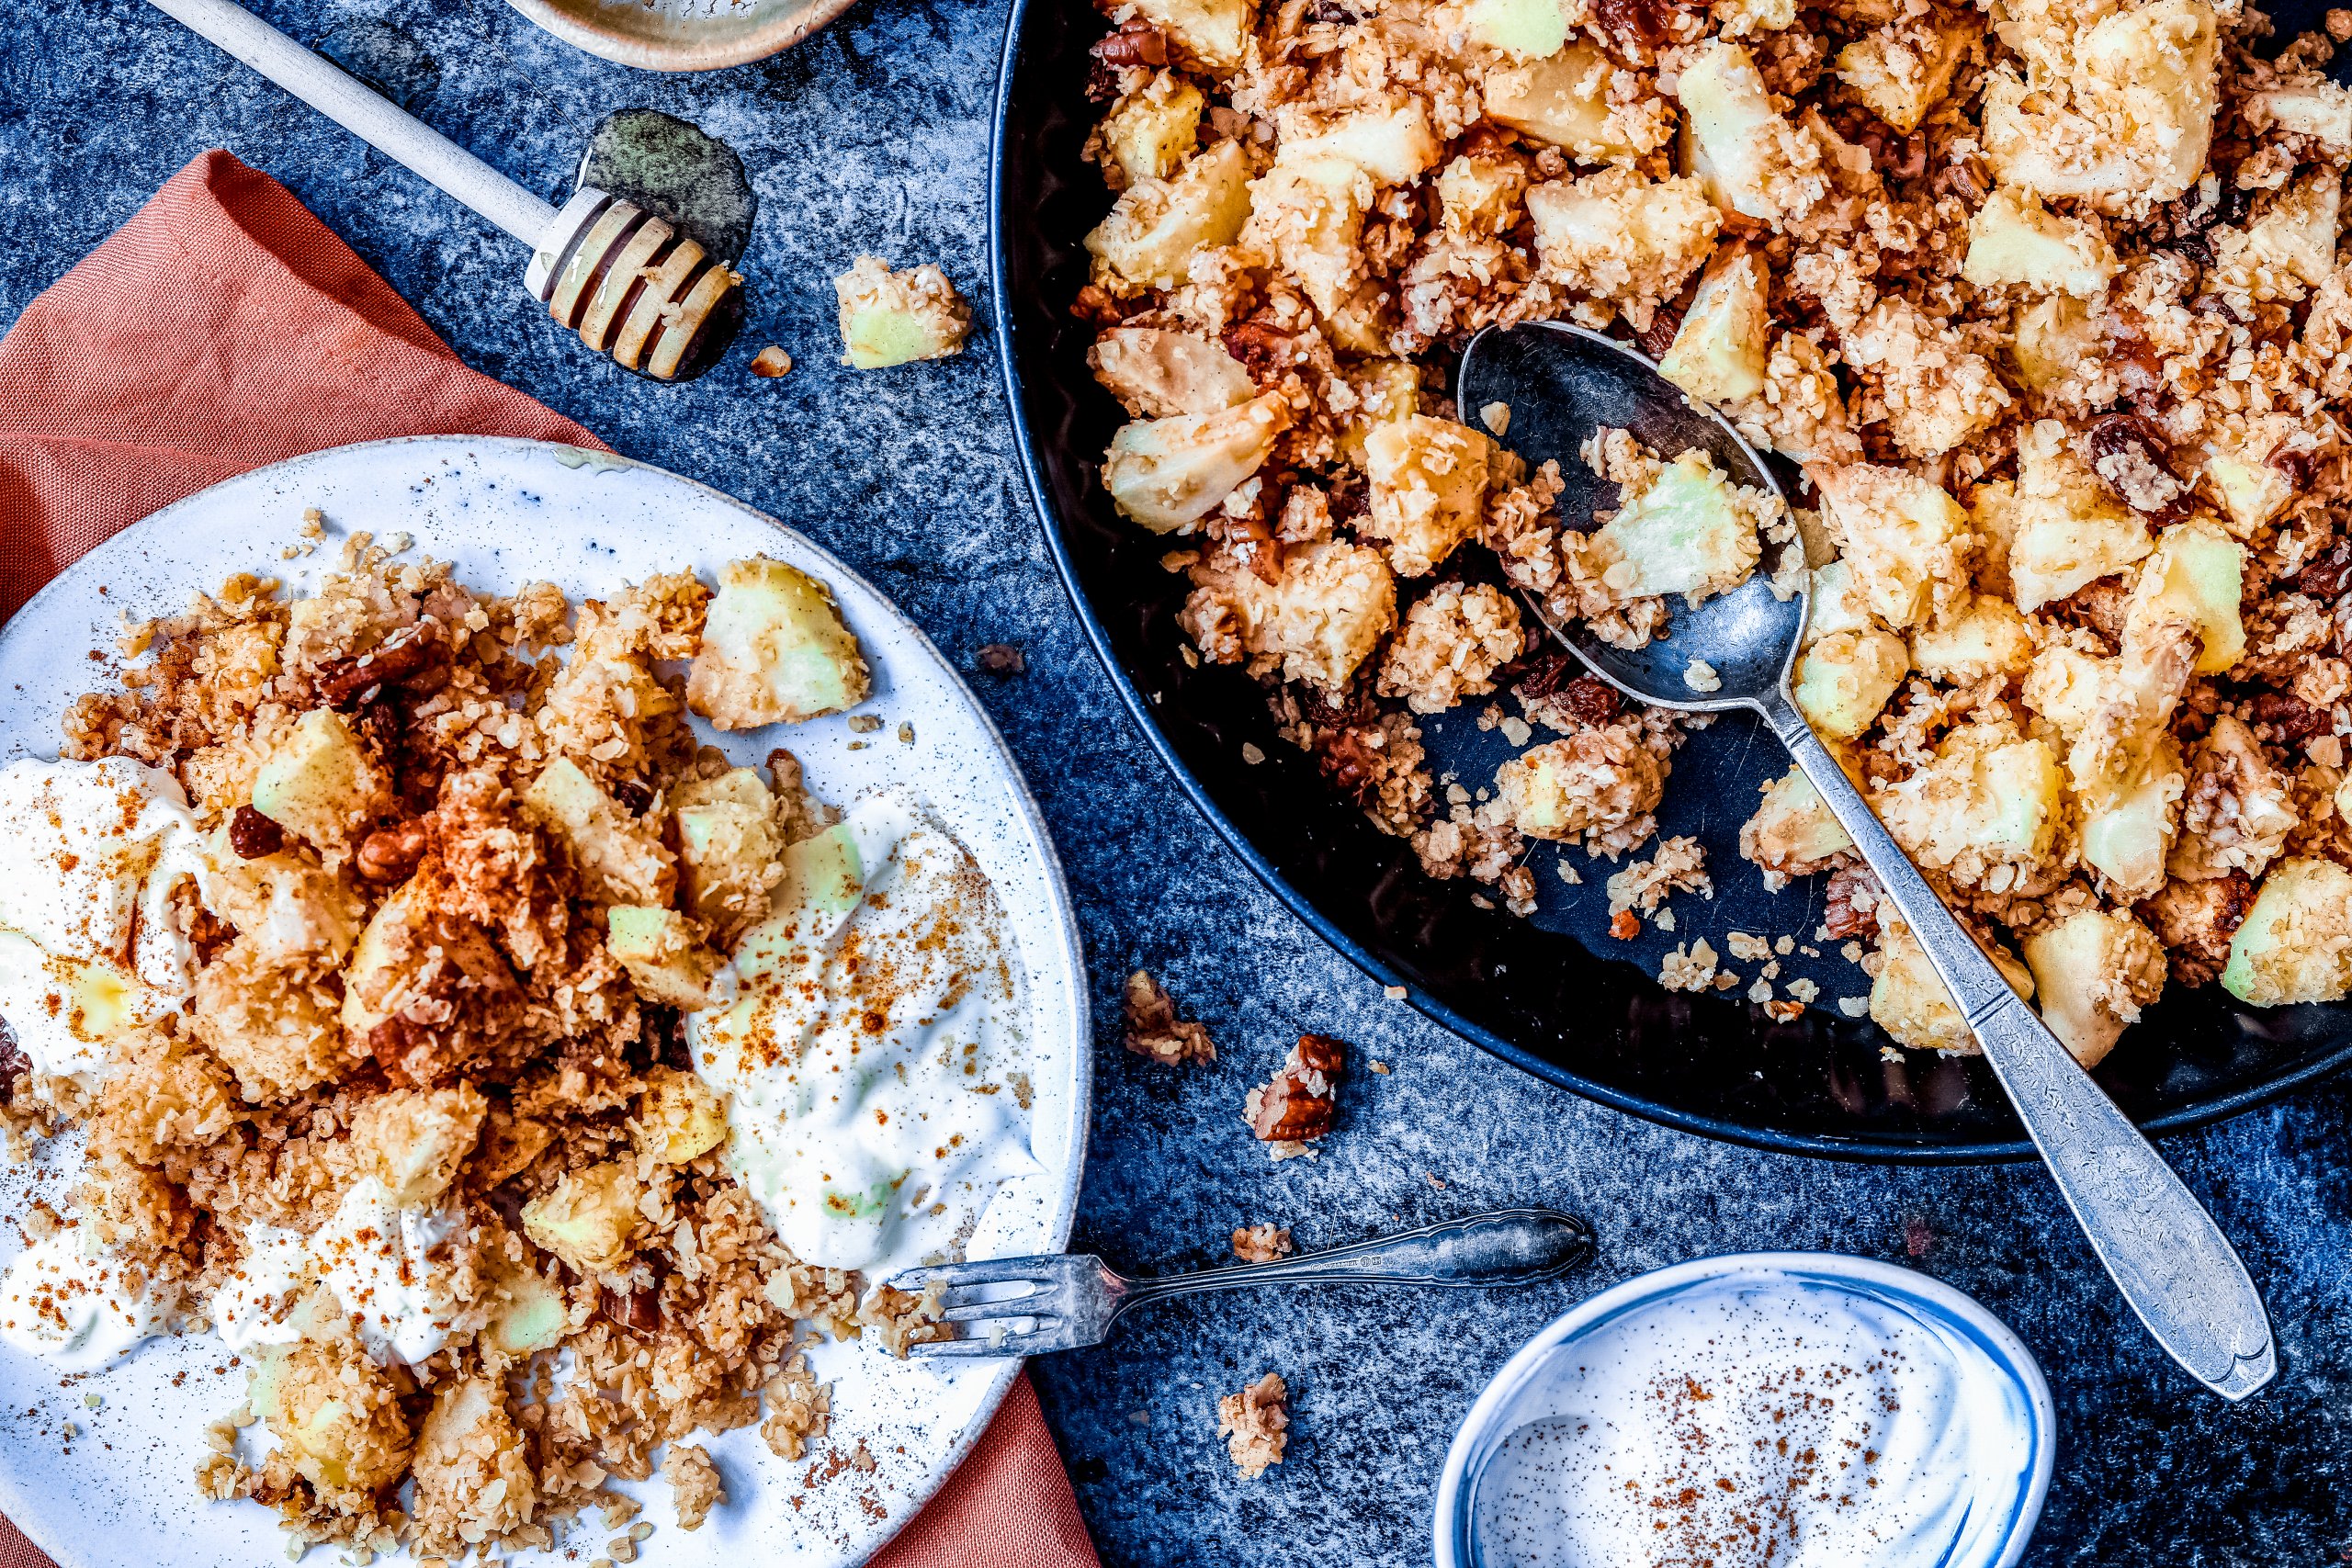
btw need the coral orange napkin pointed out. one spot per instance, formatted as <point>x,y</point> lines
<point>224,328</point>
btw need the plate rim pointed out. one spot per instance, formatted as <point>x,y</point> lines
<point>1857,1149</point>
<point>13,1490</point>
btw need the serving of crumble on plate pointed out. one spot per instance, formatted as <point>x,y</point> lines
<point>432,915</point>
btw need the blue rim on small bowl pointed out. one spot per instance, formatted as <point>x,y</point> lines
<point>1922,1296</point>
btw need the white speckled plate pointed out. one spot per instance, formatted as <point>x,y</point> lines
<point>507,512</point>
<point>682,35</point>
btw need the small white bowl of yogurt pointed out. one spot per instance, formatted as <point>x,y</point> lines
<point>1800,1409</point>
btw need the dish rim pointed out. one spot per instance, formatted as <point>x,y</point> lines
<point>1067,935</point>
<point>1875,1149</point>
<point>1847,1270</point>
<point>630,49</point>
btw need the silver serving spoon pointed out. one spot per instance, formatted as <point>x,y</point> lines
<point>2163,1251</point>
<point>1070,1301</point>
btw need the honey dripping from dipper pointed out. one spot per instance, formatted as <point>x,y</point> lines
<point>639,262</point>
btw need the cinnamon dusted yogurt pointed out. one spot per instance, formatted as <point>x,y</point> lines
<point>1796,1410</point>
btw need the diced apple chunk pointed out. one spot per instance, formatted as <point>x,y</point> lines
<point>1845,679</point>
<point>895,318</point>
<point>1156,373</point>
<point>1482,194</point>
<point>679,1117</point>
<point>1523,30</point>
<point>2063,685</point>
<point>2094,971</point>
<point>620,858</point>
<point>414,1141</point>
<point>531,1315</point>
<point>2239,464</point>
<point>1621,238</point>
<point>2133,119</point>
<point>587,1218</point>
<point>1986,811</point>
<point>1385,390</point>
<point>1167,473</point>
<point>729,850</point>
<point>2071,530</point>
<point>1792,832</point>
<point>1150,132</point>
<point>2126,841</point>
<point>1718,354</point>
<point>1148,239</point>
<point>319,784</point>
<point>1392,141</point>
<point>1908,999</point>
<point>2054,338</point>
<point>666,959</point>
<point>1428,488</point>
<point>1903,70</point>
<point>2321,110</point>
<point>1215,34</point>
<point>2014,239</point>
<point>1982,637</point>
<point>2195,576</point>
<point>2296,942</point>
<point>774,651</point>
<point>1839,602</point>
<point>1307,215</point>
<point>1907,540</point>
<point>291,911</point>
<point>1689,530</point>
<point>1764,166</point>
<point>1564,100</point>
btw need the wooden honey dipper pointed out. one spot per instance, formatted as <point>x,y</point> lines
<point>628,283</point>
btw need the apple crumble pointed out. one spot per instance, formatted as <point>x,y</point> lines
<point>2044,303</point>
<point>371,943</point>
<point>1255,1425</point>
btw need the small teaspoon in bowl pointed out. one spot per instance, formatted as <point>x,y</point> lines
<point>1560,384</point>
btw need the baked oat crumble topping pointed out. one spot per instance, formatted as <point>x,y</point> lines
<point>2048,313</point>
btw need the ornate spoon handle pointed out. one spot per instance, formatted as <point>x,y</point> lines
<point>2163,1251</point>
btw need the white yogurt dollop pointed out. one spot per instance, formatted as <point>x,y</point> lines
<point>91,939</point>
<point>66,1301</point>
<point>1755,1420</point>
<point>870,1051</point>
<point>383,1263</point>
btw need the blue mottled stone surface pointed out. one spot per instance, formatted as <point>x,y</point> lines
<point>873,136</point>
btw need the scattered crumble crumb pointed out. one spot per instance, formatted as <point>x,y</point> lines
<point>1254,1425</point>
<point>1261,1243</point>
<point>1854,1007</point>
<point>770,363</point>
<point>906,734</point>
<point>1251,754</point>
<point>1804,990</point>
<point>1155,1031</point>
<point>1497,416</point>
<point>865,723</point>
<point>1677,866</point>
<point>1688,970</point>
<point>1394,993</point>
<point>1742,944</point>
<point>1783,945</point>
<point>1700,676</point>
<point>1664,919</point>
<point>1625,925</point>
<point>1000,659</point>
<point>1380,1067</point>
<point>695,1484</point>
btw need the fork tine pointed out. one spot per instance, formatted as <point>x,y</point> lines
<point>1004,1306</point>
<point>990,1271</point>
<point>1058,1337</point>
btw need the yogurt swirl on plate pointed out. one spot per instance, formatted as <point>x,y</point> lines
<point>869,1054</point>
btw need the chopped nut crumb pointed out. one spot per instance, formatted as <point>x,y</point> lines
<point>1261,1243</point>
<point>1155,1031</point>
<point>1255,1425</point>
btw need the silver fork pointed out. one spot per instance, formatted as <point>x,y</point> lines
<point>1073,1301</point>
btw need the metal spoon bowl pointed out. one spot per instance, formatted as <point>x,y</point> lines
<point>2173,1264</point>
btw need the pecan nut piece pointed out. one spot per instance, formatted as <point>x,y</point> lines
<point>410,658</point>
<point>390,855</point>
<point>2135,460</point>
<point>1852,900</point>
<point>252,835</point>
<point>1136,43</point>
<point>1301,1102</point>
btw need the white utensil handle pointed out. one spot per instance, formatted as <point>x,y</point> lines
<point>390,130</point>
